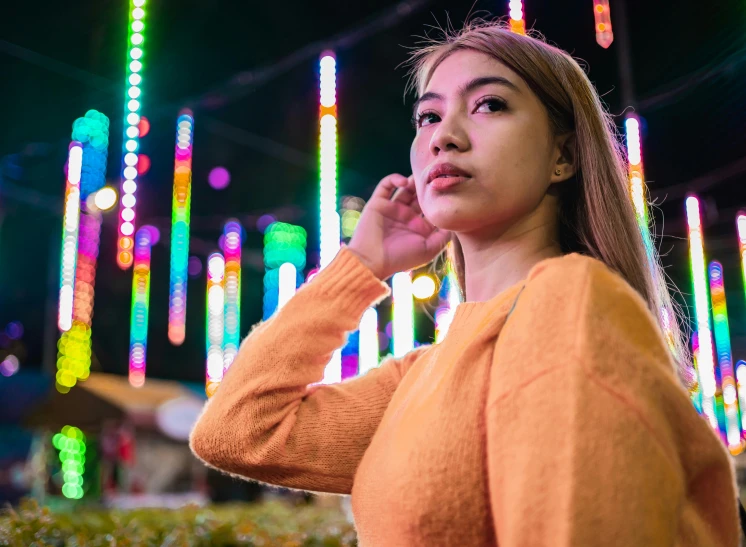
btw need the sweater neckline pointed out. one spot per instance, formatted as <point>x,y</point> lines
<point>466,310</point>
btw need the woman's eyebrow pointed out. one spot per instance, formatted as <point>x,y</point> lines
<point>471,85</point>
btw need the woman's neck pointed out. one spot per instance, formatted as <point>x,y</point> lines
<point>493,265</point>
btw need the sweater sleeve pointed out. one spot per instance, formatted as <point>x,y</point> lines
<point>267,423</point>
<point>591,439</point>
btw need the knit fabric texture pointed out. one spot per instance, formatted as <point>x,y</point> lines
<point>564,425</point>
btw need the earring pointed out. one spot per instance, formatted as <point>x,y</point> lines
<point>557,172</point>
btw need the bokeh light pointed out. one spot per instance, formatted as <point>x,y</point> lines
<point>194,267</point>
<point>9,365</point>
<point>105,198</point>
<point>423,287</point>
<point>219,178</point>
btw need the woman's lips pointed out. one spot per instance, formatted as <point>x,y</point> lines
<point>443,184</point>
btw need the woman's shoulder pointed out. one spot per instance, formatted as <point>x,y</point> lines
<point>575,271</point>
<point>577,312</point>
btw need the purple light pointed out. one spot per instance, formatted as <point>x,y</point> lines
<point>9,366</point>
<point>155,234</point>
<point>219,178</point>
<point>221,242</point>
<point>264,221</point>
<point>194,267</point>
<point>388,330</point>
<point>349,366</point>
<point>14,330</point>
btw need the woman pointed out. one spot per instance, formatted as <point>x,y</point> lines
<point>555,412</point>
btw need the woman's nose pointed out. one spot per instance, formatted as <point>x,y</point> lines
<point>448,136</point>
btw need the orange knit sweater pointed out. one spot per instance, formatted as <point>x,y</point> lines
<point>565,425</point>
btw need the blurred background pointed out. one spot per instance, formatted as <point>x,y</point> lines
<point>245,79</point>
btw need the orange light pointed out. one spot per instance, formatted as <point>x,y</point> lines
<point>125,258</point>
<point>601,27</point>
<point>599,8</point>
<point>126,243</point>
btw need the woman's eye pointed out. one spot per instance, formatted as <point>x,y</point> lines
<point>420,119</point>
<point>494,105</point>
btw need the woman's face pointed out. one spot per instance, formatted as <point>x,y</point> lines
<point>496,131</point>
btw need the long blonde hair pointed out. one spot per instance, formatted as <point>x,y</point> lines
<point>596,214</point>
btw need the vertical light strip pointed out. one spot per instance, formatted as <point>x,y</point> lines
<point>131,142</point>
<point>71,443</point>
<point>705,360</point>
<point>74,348</point>
<point>637,191</point>
<point>637,177</point>
<point>368,354</point>
<point>449,298</point>
<point>144,240</point>
<point>180,213</point>
<point>284,246</point>
<point>330,221</point>
<point>232,332</point>
<point>517,19</point>
<point>741,389</point>
<point>330,230</point>
<point>288,278</point>
<point>741,229</point>
<point>403,313</point>
<point>726,394</point>
<point>70,227</point>
<point>602,17</point>
<point>214,319</point>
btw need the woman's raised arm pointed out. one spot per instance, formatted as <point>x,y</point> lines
<point>265,422</point>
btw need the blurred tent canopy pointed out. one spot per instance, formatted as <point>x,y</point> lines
<point>108,397</point>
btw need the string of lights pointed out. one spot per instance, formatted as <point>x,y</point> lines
<point>182,197</point>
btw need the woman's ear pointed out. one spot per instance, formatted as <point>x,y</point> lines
<point>565,164</point>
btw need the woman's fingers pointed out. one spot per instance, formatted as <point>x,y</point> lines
<point>397,211</point>
<point>386,187</point>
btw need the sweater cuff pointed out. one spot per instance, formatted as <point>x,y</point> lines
<point>349,284</point>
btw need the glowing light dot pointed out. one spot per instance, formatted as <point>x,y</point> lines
<point>130,172</point>
<point>423,287</point>
<point>128,214</point>
<point>135,66</point>
<point>131,145</point>
<point>137,26</point>
<point>137,39</point>
<point>138,13</point>
<point>135,53</point>
<point>132,132</point>
<point>130,158</point>
<point>132,118</point>
<point>134,92</point>
<point>129,186</point>
<point>219,178</point>
<point>133,105</point>
<point>105,198</point>
<point>127,228</point>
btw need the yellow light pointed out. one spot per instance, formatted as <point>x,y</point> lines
<point>423,287</point>
<point>105,198</point>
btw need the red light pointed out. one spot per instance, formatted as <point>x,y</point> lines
<point>143,126</point>
<point>143,164</point>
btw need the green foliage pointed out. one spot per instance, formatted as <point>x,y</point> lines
<point>272,523</point>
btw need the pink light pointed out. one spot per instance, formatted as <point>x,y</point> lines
<point>219,178</point>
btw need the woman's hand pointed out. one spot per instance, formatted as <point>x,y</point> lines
<point>393,235</point>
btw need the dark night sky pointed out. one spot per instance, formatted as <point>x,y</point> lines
<point>57,60</point>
